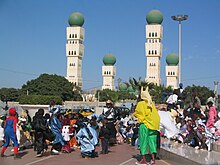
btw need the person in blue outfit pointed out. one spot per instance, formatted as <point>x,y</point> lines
<point>56,126</point>
<point>88,139</point>
<point>10,133</point>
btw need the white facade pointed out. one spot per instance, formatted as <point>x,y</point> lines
<point>108,74</point>
<point>74,54</point>
<point>172,76</point>
<point>153,47</point>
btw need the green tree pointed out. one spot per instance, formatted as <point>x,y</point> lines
<point>203,93</point>
<point>52,85</point>
<point>9,94</point>
<point>39,99</point>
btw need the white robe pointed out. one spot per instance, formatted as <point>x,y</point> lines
<point>167,125</point>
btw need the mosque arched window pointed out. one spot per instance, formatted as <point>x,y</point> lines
<point>104,72</point>
<point>152,40</point>
<point>69,52</point>
<point>155,51</point>
<point>156,34</point>
<point>75,35</point>
<point>74,52</point>
<point>72,36</point>
<point>149,52</point>
<point>149,34</point>
<point>149,41</point>
<point>152,52</point>
<point>173,73</point>
<point>168,73</point>
<point>152,34</point>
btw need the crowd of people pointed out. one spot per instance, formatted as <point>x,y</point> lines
<point>65,130</point>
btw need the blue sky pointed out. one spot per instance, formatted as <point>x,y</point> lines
<point>33,38</point>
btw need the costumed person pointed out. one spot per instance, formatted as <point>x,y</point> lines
<point>25,123</point>
<point>10,133</point>
<point>149,120</point>
<point>104,135</point>
<point>88,139</point>
<point>212,117</point>
<point>110,115</point>
<point>55,126</point>
<point>40,126</point>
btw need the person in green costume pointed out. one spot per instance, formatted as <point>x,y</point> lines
<point>149,119</point>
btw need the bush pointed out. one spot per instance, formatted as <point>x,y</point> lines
<point>38,99</point>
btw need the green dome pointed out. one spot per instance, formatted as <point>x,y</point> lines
<point>109,59</point>
<point>76,19</point>
<point>172,59</point>
<point>123,87</point>
<point>154,17</point>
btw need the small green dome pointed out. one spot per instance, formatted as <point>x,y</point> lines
<point>76,19</point>
<point>123,87</point>
<point>109,59</point>
<point>154,17</point>
<point>172,59</point>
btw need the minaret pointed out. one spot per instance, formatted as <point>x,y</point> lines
<point>75,48</point>
<point>153,46</point>
<point>108,72</point>
<point>172,61</point>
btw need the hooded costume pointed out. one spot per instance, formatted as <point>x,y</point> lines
<point>10,132</point>
<point>149,119</point>
<point>88,139</point>
<point>56,126</point>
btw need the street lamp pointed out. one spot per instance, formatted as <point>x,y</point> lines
<point>180,18</point>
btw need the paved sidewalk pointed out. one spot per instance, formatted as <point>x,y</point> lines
<point>120,155</point>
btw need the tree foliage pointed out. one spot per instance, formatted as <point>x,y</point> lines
<point>9,94</point>
<point>52,85</point>
<point>203,93</point>
<point>39,99</point>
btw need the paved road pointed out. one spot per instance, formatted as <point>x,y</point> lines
<point>120,155</point>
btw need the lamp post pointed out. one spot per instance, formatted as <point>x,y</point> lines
<point>180,18</point>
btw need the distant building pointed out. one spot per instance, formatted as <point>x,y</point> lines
<point>153,46</point>
<point>75,48</point>
<point>172,70</point>
<point>108,72</point>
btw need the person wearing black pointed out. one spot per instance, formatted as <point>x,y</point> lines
<point>104,135</point>
<point>40,126</point>
<point>110,116</point>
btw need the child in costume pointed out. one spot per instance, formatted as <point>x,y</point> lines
<point>104,135</point>
<point>10,132</point>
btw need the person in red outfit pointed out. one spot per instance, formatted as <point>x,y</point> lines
<point>10,133</point>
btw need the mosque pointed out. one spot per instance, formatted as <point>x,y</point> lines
<point>153,51</point>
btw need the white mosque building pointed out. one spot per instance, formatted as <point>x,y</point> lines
<point>153,46</point>
<point>172,71</point>
<point>75,48</point>
<point>108,72</point>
